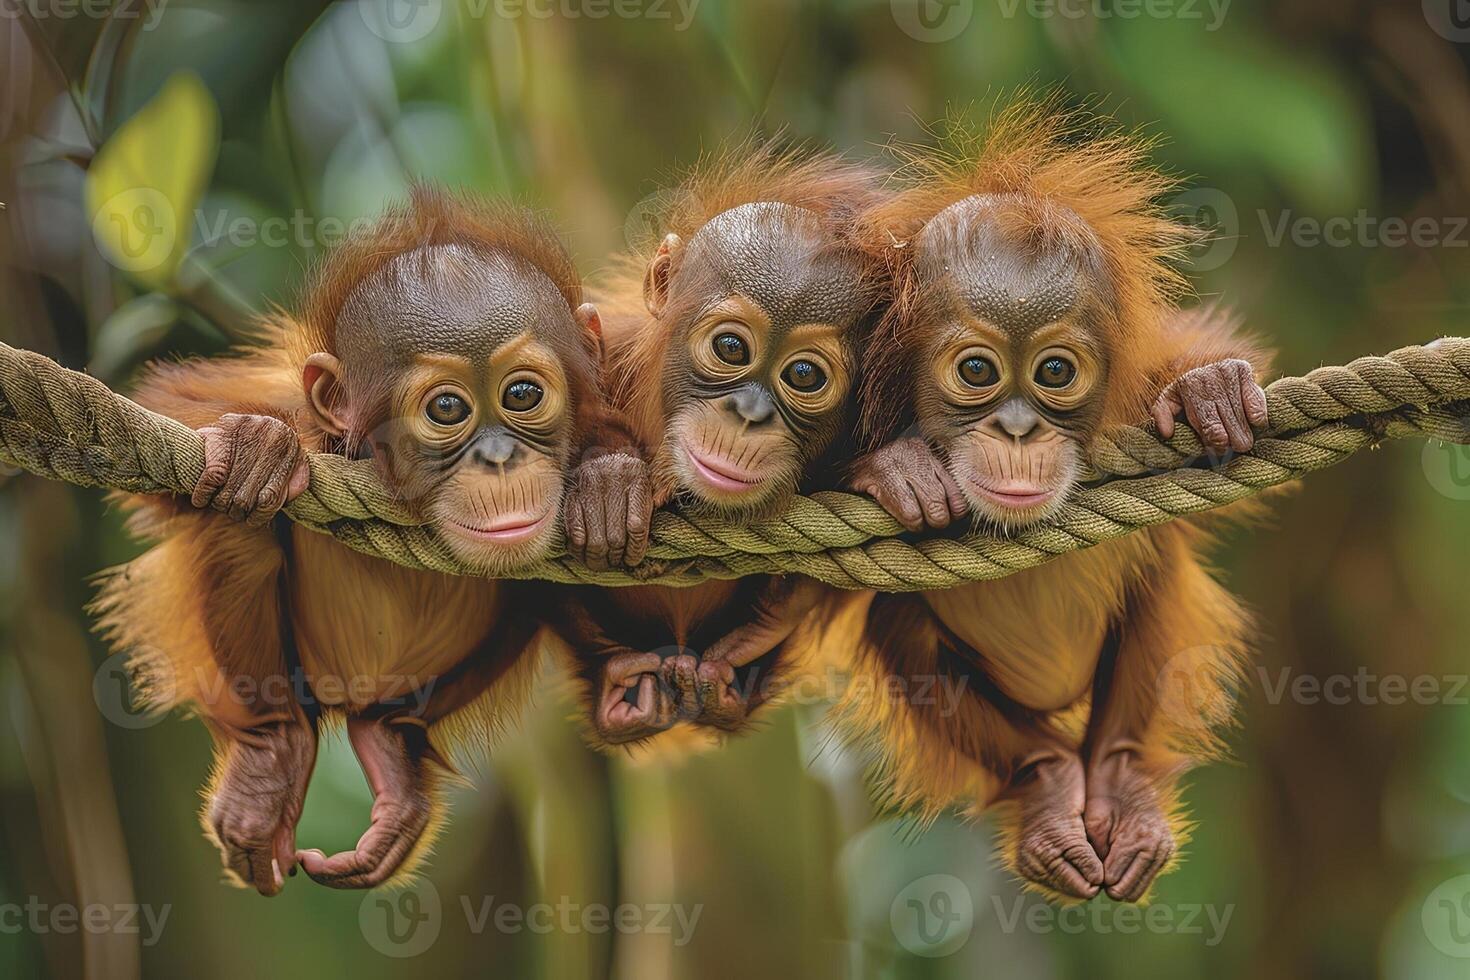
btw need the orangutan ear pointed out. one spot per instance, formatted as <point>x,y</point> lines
<point>321,380</point>
<point>660,270</point>
<point>590,321</point>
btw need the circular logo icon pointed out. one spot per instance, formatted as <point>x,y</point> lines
<point>932,21</point>
<point>135,229</point>
<point>112,690</point>
<point>1450,19</point>
<point>1446,917</point>
<point>401,21</point>
<point>933,916</point>
<point>1193,686</point>
<point>396,445</point>
<point>644,227</point>
<point>402,923</point>
<point>1447,468</point>
<point>1212,211</point>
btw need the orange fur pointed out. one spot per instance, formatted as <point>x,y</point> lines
<point>1051,163</point>
<point>214,601</point>
<point>637,343</point>
<point>1030,648</point>
<point>835,189</point>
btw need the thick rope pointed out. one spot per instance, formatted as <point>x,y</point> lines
<point>68,426</point>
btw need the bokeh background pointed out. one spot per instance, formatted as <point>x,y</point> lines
<point>1334,847</point>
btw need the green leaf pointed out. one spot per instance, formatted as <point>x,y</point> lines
<point>145,182</point>
<point>131,332</point>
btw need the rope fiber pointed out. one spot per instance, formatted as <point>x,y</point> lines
<point>65,425</point>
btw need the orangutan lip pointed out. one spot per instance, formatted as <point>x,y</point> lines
<point>512,529</point>
<point>1018,500</point>
<point>719,473</point>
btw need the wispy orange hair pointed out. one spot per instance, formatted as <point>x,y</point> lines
<point>431,216</point>
<point>1054,164</point>
<point>835,189</point>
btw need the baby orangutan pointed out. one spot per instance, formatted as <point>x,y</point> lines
<point>448,344</point>
<point>1034,308</point>
<point>732,350</point>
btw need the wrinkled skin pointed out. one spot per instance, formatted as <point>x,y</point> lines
<point>1126,824</point>
<point>639,693</point>
<point>258,798</point>
<point>1223,403</point>
<point>395,759</point>
<point>253,466</point>
<point>609,510</point>
<point>1053,848</point>
<point>912,483</point>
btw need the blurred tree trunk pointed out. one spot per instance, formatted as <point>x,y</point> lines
<point>63,743</point>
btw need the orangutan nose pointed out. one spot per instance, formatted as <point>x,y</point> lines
<point>494,448</point>
<point>1017,419</point>
<point>753,403</point>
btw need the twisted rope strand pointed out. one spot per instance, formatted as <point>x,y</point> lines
<point>65,425</point>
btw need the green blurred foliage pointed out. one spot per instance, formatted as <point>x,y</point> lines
<point>1323,845</point>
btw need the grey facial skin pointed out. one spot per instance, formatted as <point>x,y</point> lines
<point>450,299</point>
<point>1012,286</point>
<point>780,257</point>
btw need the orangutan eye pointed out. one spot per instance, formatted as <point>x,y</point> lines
<point>1056,372</point>
<point>979,372</point>
<point>447,409</point>
<point>804,376</point>
<point>522,396</point>
<point>731,349</point>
